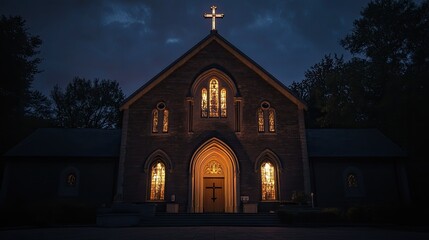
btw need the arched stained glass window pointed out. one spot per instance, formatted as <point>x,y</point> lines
<point>271,120</point>
<point>223,102</point>
<point>261,125</point>
<point>165,121</point>
<point>155,119</point>
<point>204,102</point>
<point>268,179</point>
<point>214,98</point>
<point>157,183</point>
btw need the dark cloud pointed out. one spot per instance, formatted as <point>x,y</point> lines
<point>131,41</point>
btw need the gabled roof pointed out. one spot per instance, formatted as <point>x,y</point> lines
<point>350,143</point>
<point>69,142</point>
<point>213,36</point>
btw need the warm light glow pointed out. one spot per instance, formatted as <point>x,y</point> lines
<point>214,98</point>
<point>261,127</point>
<point>213,16</point>
<point>71,180</point>
<point>213,168</point>
<point>352,181</point>
<point>157,186</point>
<point>223,102</point>
<point>268,181</point>
<point>165,121</point>
<point>155,121</point>
<point>271,120</point>
<point>204,102</point>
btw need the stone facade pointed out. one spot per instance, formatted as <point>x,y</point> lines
<point>179,87</point>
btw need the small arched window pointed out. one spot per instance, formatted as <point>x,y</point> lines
<point>213,101</point>
<point>157,181</point>
<point>266,118</point>
<point>353,182</point>
<point>269,181</point>
<point>160,115</point>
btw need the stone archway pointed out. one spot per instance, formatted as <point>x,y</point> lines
<point>214,159</point>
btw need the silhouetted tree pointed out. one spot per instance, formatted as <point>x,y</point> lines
<point>88,104</point>
<point>39,106</point>
<point>335,93</point>
<point>393,36</point>
<point>18,65</point>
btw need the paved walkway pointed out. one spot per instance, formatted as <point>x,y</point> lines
<point>212,233</point>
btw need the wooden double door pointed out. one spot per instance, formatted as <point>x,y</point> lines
<point>214,195</point>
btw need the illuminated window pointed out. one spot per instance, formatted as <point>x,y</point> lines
<point>213,101</point>
<point>155,121</point>
<point>268,179</point>
<point>160,115</point>
<point>71,179</point>
<point>214,98</point>
<point>352,181</point>
<point>157,183</point>
<point>266,118</point>
<point>261,126</point>
<point>223,102</point>
<point>271,120</point>
<point>165,121</point>
<point>204,102</point>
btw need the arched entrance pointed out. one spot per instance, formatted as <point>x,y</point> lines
<point>214,178</point>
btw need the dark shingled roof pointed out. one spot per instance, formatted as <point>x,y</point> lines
<point>69,142</point>
<point>350,143</point>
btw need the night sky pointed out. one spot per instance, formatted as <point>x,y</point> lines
<point>131,41</point>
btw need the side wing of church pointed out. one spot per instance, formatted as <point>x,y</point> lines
<point>211,130</point>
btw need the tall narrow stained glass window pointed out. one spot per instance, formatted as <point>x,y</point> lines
<point>271,120</point>
<point>157,183</point>
<point>165,121</point>
<point>223,102</point>
<point>261,125</point>
<point>155,120</point>
<point>268,179</point>
<point>204,102</point>
<point>214,98</point>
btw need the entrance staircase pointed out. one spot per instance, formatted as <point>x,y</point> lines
<point>214,219</point>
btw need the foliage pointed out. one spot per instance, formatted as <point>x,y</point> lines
<point>18,65</point>
<point>336,93</point>
<point>39,106</point>
<point>88,104</point>
<point>385,84</point>
<point>393,36</point>
<point>300,197</point>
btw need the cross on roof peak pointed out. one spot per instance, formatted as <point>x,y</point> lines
<point>213,16</point>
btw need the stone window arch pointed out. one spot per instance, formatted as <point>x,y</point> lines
<point>268,166</point>
<point>353,182</point>
<point>214,95</point>
<point>157,166</point>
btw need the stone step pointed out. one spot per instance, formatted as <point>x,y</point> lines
<point>188,219</point>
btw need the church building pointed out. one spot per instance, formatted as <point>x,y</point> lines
<point>211,132</point>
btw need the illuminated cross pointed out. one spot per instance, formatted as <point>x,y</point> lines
<point>213,16</point>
